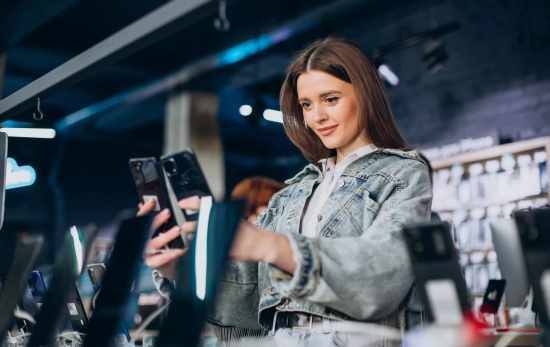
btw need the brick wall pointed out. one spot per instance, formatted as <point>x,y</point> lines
<point>497,77</point>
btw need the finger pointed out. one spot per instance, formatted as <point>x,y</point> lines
<point>189,227</point>
<point>160,219</point>
<point>192,203</point>
<point>146,208</point>
<point>190,236</point>
<point>158,260</point>
<point>164,238</point>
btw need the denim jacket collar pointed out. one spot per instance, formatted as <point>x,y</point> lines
<point>313,169</point>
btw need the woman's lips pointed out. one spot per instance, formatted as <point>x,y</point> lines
<point>328,130</point>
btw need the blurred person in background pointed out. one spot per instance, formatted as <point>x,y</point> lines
<point>257,191</point>
<point>329,247</point>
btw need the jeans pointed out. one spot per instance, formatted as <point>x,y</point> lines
<point>312,338</point>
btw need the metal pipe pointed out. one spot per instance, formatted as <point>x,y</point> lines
<point>154,26</point>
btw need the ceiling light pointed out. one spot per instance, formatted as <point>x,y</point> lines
<point>29,132</point>
<point>273,115</point>
<point>388,75</point>
<point>245,110</point>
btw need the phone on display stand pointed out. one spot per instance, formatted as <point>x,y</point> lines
<point>493,296</point>
<point>37,286</point>
<point>118,280</point>
<point>151,185</point>
<point>534,231</point>
<point>96,273</point>
<point>185,177</point>
<point>62,302</point>
<point>15,283</point>
<point>200,272</point>
<point>441,286</point>
<point>77,313</point>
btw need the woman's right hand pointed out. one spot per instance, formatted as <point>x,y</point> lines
<point>164,263</point>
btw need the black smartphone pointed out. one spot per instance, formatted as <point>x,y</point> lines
<point>185,177</point>
<point>441,286</point>
<point>200,273</point>
<point>493,296</point>
<point>61,289</point>
<point>119,277</point>
<point>77,313</point>
<point>96,273</point>
<point>151,185</point>
<point>22,325</point>
<point>534,232</point>
<point>14,285</point>
<point>37,286</point>
<point>75,308</point>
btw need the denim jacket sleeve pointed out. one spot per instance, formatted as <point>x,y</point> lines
<point>364,277</point>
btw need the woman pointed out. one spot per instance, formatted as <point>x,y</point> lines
<point>257,191</point>
<point>328,248</point>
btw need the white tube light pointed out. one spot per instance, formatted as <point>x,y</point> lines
<point>273,115</point>
<point>245,110</point>
<point>36,133</point>
<point>388,74</point>
<point>201,247</point>
<point>77,246</point>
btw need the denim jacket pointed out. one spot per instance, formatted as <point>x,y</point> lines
<point>357,268</point>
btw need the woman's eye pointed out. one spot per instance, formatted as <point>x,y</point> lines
<point>305,104</point>
<point>332,100</point>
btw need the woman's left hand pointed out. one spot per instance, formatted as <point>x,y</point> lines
<point>253,244</point>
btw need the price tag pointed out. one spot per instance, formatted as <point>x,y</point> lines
<point>72,309</point>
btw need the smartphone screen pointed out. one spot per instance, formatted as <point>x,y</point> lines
<point>186,177</point>
<point>493,296</point>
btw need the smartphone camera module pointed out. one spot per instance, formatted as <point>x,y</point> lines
<point>170,167</point>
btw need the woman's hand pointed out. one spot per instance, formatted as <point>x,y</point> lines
<point>165,263</point>
<point>253,244</point>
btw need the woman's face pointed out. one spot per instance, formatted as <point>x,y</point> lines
<point>330,109</point>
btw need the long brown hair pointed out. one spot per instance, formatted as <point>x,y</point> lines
<point>346,61</point>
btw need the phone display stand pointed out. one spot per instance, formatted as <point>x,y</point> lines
<point>527,316</point>
<point>19,340</point>
<point>121,341</point>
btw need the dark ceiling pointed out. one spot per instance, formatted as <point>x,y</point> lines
<point>76,26</point>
